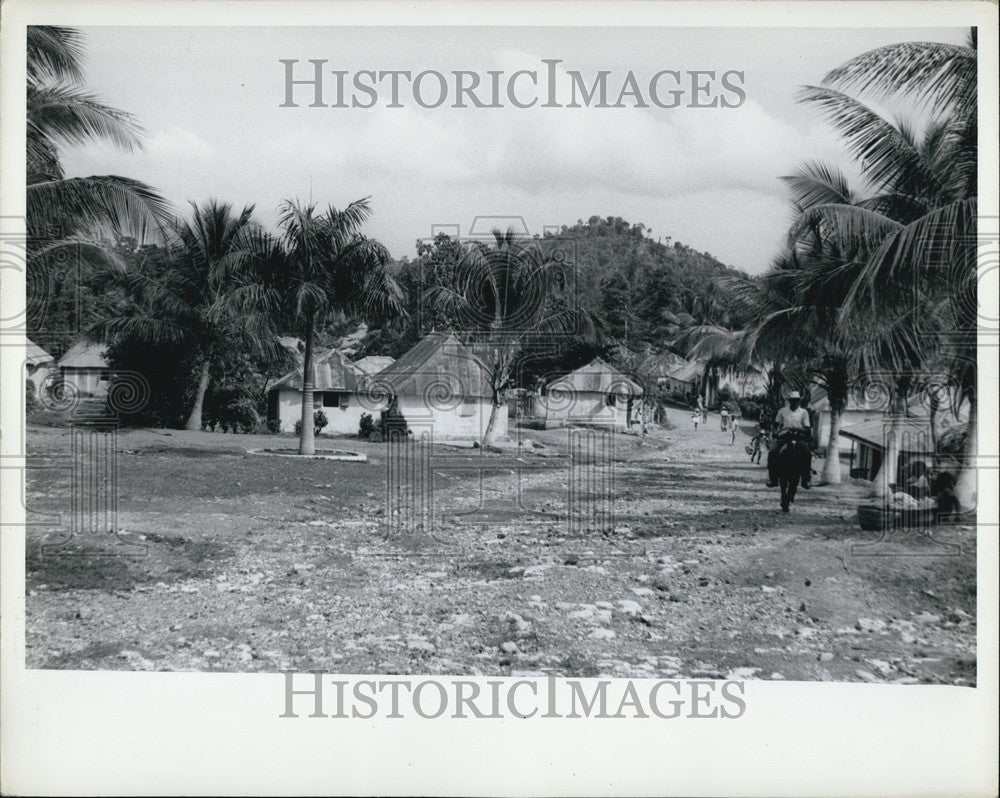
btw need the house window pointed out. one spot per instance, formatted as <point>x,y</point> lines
<point>331,399</point>
<point>467,408</point>
<point>105,375</point>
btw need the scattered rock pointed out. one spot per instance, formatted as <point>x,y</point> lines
<point>870,625</point>
<point>535,570</point>
<point>866,676</point>
<point>826,656</point>
<point>509,647</point>
<point>601,634</point>
<point>629,607</point>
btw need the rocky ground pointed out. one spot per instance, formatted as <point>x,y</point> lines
<point>219,560</point>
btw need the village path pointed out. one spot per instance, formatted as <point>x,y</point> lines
<point>256,564</point>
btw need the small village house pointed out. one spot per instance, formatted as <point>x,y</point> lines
<point>869,438</point>
<point>38,364</point>
<point>335,392</point>
<point>594,395</point>
<point>441,386</point>
<point>84,368</point>
<point>857,411</point>
<point>680,378</point>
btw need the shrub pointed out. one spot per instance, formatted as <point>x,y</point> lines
<point>366,427</point>
<point>392,420</point>
<point>274,425</point>
<point>375,437</point>
<point>230,409</point>
<point>752,408</point>
<point>319,422</point>
<point>31,402</point>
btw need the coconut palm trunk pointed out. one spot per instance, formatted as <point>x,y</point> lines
<point>194,419</point>
<point>965,485</point>
<point>831,466</point>
<point>307,433</point>
<point>885,480</point>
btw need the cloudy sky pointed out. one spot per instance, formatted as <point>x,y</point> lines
<point>209,102</point>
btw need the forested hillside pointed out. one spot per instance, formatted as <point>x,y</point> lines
<point>639,291</point>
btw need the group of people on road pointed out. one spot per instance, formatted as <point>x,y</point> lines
<point>791,424</point>
<point>728,419</point>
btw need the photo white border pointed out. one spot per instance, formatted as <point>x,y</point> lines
<point>76,733</point>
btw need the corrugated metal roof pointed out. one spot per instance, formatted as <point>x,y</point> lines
<point>373,364</point>
<point>439,366</point>
<point>674,366</point>
<point>332,371</point>
<point>596,377</point>
<point>914,433</point>
<point>34,355</point>
<point>85,354</point>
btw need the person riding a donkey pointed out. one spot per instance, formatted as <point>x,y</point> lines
<point>791,429</point>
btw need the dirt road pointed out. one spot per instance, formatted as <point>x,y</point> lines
<point>223,561</point>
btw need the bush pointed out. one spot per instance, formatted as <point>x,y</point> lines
<point>31,402</point>
<point>532,423</point>
<point>366,427</point>
<point>752,409</point>
<point>230,409</point>
<point>274,425</point>
<point>375,437</point>
<point>392,420</point>
<point>319,422</point>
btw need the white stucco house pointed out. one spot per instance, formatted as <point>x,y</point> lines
<point>594,395</point>
<point>84,368</point>
<point>335,392</point>
<point>38,364</point>
<point>441,386</point>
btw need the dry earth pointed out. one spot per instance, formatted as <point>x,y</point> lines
<point>219,560</point>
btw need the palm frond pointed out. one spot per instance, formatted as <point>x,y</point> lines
<point>62,114</point>
<point>120,204</point>
<point>817,183</point>
<point>54,53</point>
<point>942,74</point>
<point>854,228</point>
<point>886,153</point>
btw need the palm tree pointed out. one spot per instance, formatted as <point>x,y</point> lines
<point>319,264</point>
<point>919,229</point>
<point>60,112</point>
<point>189,301</point>
<point>509,291</point>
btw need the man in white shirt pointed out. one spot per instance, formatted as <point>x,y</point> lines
<point>789,421</point>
